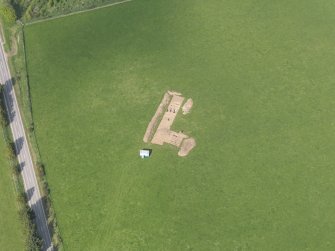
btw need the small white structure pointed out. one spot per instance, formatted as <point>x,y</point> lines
<point>144,153</point>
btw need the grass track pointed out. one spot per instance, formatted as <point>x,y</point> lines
<point>261,75</point>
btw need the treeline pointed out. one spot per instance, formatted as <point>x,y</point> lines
<point>32,242</point>
<point>7,12</point>
<point>38,9</point>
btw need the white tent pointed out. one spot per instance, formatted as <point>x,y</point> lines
<point>144,153</point>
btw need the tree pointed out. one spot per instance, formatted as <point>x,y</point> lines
<point>7,13</point>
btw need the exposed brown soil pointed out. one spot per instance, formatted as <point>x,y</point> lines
<point>186,146</point>
<point>187,106</point>
<point>173,93</point>
<point>150,129</point>
<point>163,133</point>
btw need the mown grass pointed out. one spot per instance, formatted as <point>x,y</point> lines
<point>12,235</point>
<point>261,75</point>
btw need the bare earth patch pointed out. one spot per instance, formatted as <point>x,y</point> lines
<point>150,129</point>
<point>163,133</point>
<point>187,146</point>
<point>187,106</point>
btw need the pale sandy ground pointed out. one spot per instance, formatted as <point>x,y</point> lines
<point>171,103</point>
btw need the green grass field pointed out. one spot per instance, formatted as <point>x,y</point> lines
<point>11,229</point>
<point>262,77</point>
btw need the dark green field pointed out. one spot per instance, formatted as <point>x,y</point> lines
<point>11,229</point>
<point>262,77</point>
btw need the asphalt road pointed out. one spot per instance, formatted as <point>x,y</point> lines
<point>23,152</point>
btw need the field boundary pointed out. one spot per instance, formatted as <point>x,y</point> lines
<point>36,154</point>
<point>76,12</point>
<point>19,69</point>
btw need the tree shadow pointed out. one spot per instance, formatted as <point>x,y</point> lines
<point>42,225</point>
<point>8,93</point>
<point>30,193</point>
<point>148,149</point>
<point>20,166</point>
<point>18,145</point>
<point>19,11</point>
